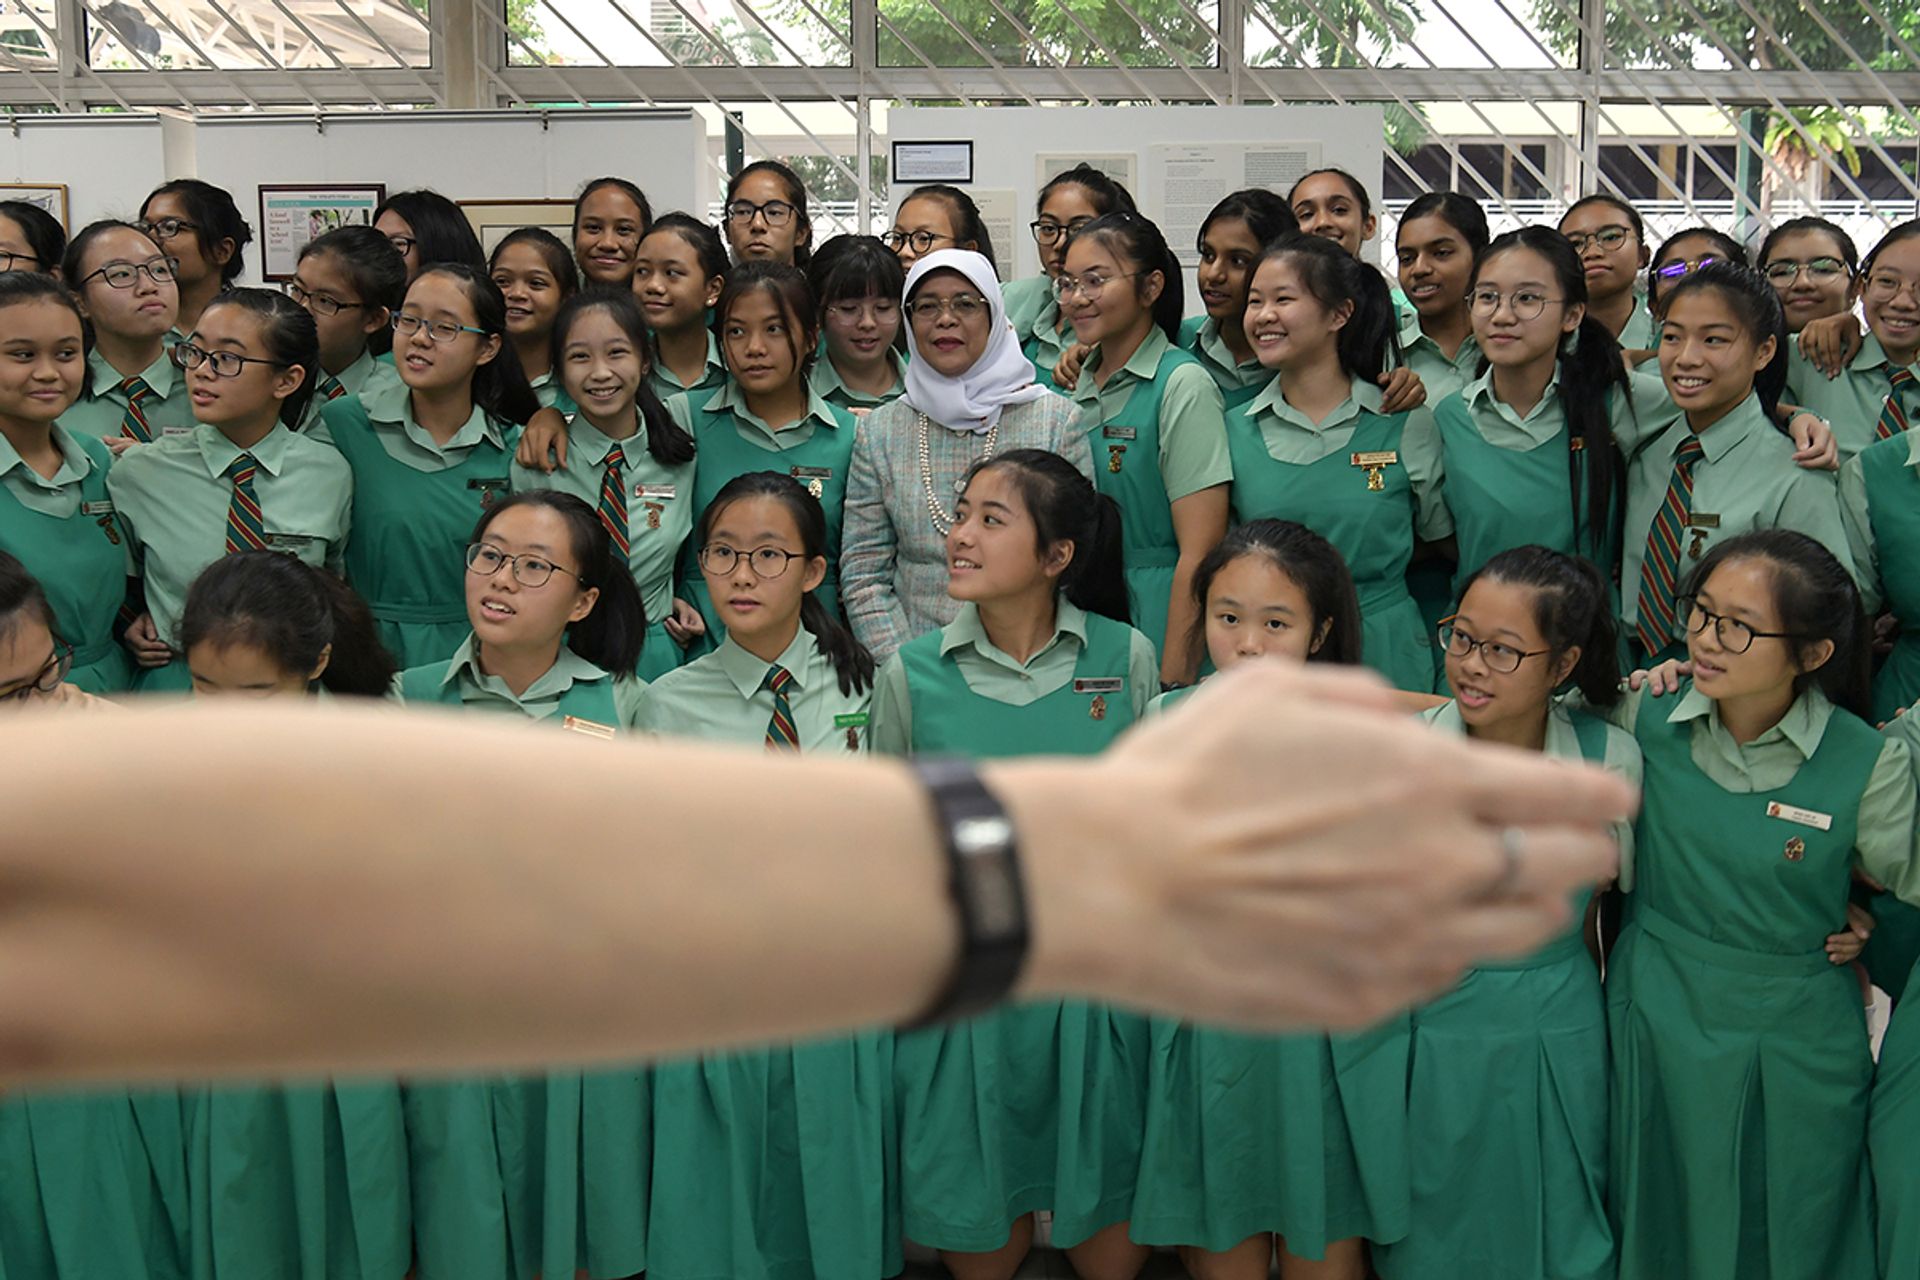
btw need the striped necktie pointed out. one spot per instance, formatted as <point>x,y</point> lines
<point>246,529</point>
<point>1660,567</point>
<point>780,732</point>
<point>331,388</point>
<point>613,499</point>
<point>133,423</point>
<point>1893,416</point>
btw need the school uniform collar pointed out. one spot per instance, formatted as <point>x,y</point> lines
<point>568,669</point>
<point>160,375</point>
<point>1803,726</point>
<point>713,362</point>
<point>594,445</point>
<point>542,382</point>
<point>1870,356</point>
<point>1412,335</point>
<point>1913,448</point>
<point>1364,398</point>
<point>1211,347</point>
<point>357,373</point>
<point>393,402</point>
<point>824,379</point>
<point>1481,398</point>
<point>1742,422</point>
<point>1142,365</point>
<point>218,452</point>
<point>1045,324</point>
<point>1562,739</point>
<point>968,631</point>
<point>733,399</point>
<point>75,465</point>
<point>748,673</point>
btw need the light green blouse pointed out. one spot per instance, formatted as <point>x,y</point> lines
<point>365,373</point>
<point>58,497</point>
<point>750,425</point>
<point>667,384</point>
<point>1636,417</point>
<point>826,383</point>
<point>99,412</point>
<point>389,406</point>
<point>1193,424</point>
<point>481,691</point>
<point>993,673</point>
<point>719,697</point>
<point>1851,402</point>
<point>1438,374</point>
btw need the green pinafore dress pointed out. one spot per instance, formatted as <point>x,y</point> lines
<point>1507,1113</point>
<point>407,552</point>
<point>1373,528</point>
<point>1893,1138</point>
<point>539,1175</point>
<point>81,561</point>
<point>1033,1106</point>
<point>1237,384</point>
<point>1740,1057</point>
<point>1126,467</point>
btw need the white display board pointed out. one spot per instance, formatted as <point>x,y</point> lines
<point>109,162</point>
<point>1180,160</point>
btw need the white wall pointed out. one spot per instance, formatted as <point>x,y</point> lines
<point>109,162</point>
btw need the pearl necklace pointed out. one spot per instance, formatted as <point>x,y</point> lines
<point>942,518</point>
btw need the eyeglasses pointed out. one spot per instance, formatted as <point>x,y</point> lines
<point>225,364</point>
<point>1675,270</point>
<point>1732,634</point>
<point>123,275</point>
<point>1047,231</point>
<point>1089,287</point>
<point>45,680</point>
<point>1608,238</point>
<point>1819,270</point>
<point>718,559</point>
<point>1502,658</point>
<point>166,228</point>
<point>883,310</point>
<point>406,324</point>
<point>1885,287</point>
<point>1527,304</point>
<point>403,245</point>
<point>918,241</point>
<point>11,262</point>
<point>961,306</point>
<point>319,303</point>
<point>776,212</point>
<point>528,571</point>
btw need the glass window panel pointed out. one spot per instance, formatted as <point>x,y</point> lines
<point>1447,34</point>
<point>26,36</point>
<point>254,35</point>
<point>945,33</point>
<point>659,33</point>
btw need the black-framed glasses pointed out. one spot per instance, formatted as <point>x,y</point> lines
<point>778,213</point>
<point>961,306</point>
<point>1503,658</point>
<point>719,559</point>
<point>320,304</point>
<point>225,364</point>
<point>124,275</point>
<point>1732,634</point>
<point>46,679</point>
<point>1782,271</point>
<point>1527,304</point>
<point>1047,231</point>
<point>1088,287</point>
<point>406,324</point>
<point>10,262</point>
<point>528,570</point>
<point>919,241</point>
<point>403,244</point>
<point>1685,267</point>
<point>1608,238</point>
<point>165,228</point>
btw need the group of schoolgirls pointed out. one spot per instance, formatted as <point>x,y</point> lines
<point>715,483</point>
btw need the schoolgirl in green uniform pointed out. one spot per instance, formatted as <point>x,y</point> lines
<point>677,277</point>
<point>1442,235</point>
<point>517,1176</point>
<point>125,286</point>
<point>535,274</point>
<point>31,239</point>
<point>1252,1142</point>
<point>310,1179</point>
<point>1685,252</point>
<point>1815,267</point>
<point>1334,205</point>
<point>766,215</point>
<point>938,216</point>
<point>1315,446</point>
<point>351,280</point>
<point>427,229</point>
<point>95,1180</point>
<point>861,365</point>
<point>1878,393</point>
<point>56,515</point>
<point>1034,1106</point>
<point>1720,469</point>
<point>766,417</point>
<point>1159,437</point>
<point>610,218</point>
<point>1893,1118</point>
<point>197,225</point>
<point>242,480</point>
<point>628,459</point>
<point>1507,1092</point>
<point>1231,238</point>
<point>778,1161</point>
<point>1611,239</point>
<point>1740,1056</point>
<point>1069,201</point>
<point>429,455</point>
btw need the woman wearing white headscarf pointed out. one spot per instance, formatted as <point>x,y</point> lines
<point>970,394</point>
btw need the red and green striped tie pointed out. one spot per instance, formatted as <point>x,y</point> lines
<point>331,388</point>
<point>133,423</point>
<point>246,529</point>
<point>613,499</point>
<point>1893,417</point>
<point>1660,567</point>
<point>780,731</point>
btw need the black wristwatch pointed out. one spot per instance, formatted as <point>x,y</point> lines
<point>983,874</point>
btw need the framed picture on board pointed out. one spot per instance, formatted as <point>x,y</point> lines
<point>51,196</point>
<point>294,214</point>
<point>494,220</point>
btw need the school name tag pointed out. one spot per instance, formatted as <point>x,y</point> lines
<point>1371,461</point>
<point>1703,520</point>
<point>96,508</point>
<point>811,473</point>
<point>592,728</point>
<point>656,492</point>
<point>176,431</point>
<point>1805,817</point>
<point>1108,684</point>
<point>851,720</point>
<point>289,541</point>
<point>1119,433</point>
<point>488,484</point>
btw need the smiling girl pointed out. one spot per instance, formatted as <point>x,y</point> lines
<point>1231,240</point>
<point>937,216</point>
<point>1877,394</point>
<point>1441,237</point>
<point>535,275</point>
<point>858,281</point>
<point>126,289</point>
<point>1068,202</point>
<point>610,218</point>
<point>679,270</point>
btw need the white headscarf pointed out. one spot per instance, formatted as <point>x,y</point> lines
<point>1000,377</point>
